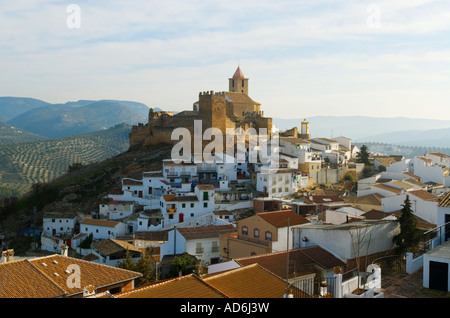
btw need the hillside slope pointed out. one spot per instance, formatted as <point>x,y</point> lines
<point>23,164</point>
<point>13,135</point>
<point>81,190</point>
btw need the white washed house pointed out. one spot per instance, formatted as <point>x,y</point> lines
<point>59,223</point>
<point>102,229</point>
<point>348,241</point>
<point>180,208</point>
<point>116,209</point>
<point>202,242</point>
<point>423,204</point>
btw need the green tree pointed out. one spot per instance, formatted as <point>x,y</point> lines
<point>184,264</point>
<point>363,155</point>
<point>145,265</point>
<point>86,243</point>
<point>409,237</point>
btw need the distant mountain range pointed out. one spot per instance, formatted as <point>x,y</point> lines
<point>399,130</point>
<point>69,119</point>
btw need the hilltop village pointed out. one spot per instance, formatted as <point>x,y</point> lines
<point>316,222</point>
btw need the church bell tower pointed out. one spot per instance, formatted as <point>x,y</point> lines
<point>238,83</point>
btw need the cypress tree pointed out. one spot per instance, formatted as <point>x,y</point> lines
<point>409,237</point>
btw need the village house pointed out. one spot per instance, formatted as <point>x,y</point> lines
<point>180,208</point>
<point>423,204</point>
<point>59,223</point>
<point>366,202</point>
<point>113,210</point>
<point>329,149</point>
<point>262,233</point>
<point>435,261</point>
<point>439,158</point>
<point>340,216</point>
<point>111,252</point>
<point>179,175</point>
<point>201,242</point>
<point>102,229</point>
<point>58,228</point>
<point>424,167</point>
<point>356,242</point>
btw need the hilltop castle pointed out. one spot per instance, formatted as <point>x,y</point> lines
<point>232,109</point>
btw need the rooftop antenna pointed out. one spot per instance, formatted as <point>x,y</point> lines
<point>287,259</point>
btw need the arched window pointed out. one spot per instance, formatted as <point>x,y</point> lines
<point>256,233</point>
<point>244,230</point>
<point>268,236</point>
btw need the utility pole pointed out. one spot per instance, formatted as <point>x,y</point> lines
<point>287,260</point>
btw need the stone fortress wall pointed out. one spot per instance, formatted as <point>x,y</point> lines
<point>215,109</point>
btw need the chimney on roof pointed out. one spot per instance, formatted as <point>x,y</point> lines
<point>89,290</point>
<point>7,256</point>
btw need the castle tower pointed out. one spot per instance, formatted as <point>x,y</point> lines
<point>304,130</point>
<point>238,83</point>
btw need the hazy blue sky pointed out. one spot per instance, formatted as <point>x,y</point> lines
<point>382,58</point>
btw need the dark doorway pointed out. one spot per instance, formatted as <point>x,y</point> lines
<point>438,277</point>
<point>447,227</point>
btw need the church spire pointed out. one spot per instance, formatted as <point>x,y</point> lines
<point>238,83</point>
<point>238,74</point>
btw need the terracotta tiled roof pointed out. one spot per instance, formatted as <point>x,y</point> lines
<point>46,277</point>
<point>178,198</point>
<point>375,214</point>
<point>110,246</point>
<point>208,231</point>
<point>280,218</point>
<point>189,286</point>
<point>412,175</point>
<point>420,223</point>
<point>205,186</point>
<point>60,214</point>
<point>387,188</point>
<point>92,273</point>
<point>252,281</point>
<point>326,199</point>
<point>386,161</point>
<point>131,182</point>
<point>21,279</point>
<point>402,184</point>
<point>301,260</point>
<point>438,154</point>
<point>425,195</point>
<point>373,198</point>
<point>415,182</point>
<point>99,222</point>
<point>240,98</point>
